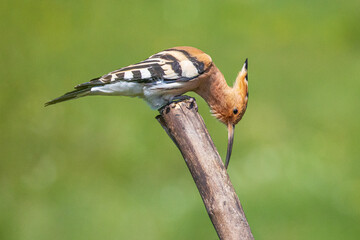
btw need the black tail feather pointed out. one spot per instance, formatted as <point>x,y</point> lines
<point>92,83</point>
<point>70,95</point>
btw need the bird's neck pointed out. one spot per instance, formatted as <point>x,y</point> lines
<point>214,89</point>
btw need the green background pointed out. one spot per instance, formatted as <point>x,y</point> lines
<point>103,168</point>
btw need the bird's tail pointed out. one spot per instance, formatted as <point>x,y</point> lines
<point>70,95</point>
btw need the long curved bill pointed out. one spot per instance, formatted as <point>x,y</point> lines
<point>231,129</point>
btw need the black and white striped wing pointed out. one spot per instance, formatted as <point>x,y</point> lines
<point>175,64</point>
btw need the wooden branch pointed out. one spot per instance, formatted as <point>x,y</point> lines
<point>186,128</point>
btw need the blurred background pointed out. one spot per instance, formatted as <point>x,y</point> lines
<point>103,168</point>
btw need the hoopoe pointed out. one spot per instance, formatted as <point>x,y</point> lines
<point>167,75</point>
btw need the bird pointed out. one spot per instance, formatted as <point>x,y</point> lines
<point>169,74</point>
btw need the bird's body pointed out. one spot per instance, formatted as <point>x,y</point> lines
<point>171,73</point>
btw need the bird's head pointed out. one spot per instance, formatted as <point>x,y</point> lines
<point>234,107</point>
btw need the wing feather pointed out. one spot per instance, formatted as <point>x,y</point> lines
<point>171,65</point>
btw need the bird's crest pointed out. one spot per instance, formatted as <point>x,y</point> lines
<point>241,83</point>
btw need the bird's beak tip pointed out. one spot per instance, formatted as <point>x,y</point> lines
<point>231,128</point>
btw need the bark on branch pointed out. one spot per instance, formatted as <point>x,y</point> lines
<point>186,128</point>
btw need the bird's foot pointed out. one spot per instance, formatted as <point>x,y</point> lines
<point>178,99</point>
<point>181,98</point>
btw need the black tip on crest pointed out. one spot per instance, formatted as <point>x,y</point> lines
<point>246,64</point>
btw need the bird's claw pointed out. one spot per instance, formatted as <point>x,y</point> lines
<point>187,99</point>
<point>182,98</point>
<point>178,99</point>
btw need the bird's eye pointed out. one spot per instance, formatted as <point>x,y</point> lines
<point>235,111</point>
